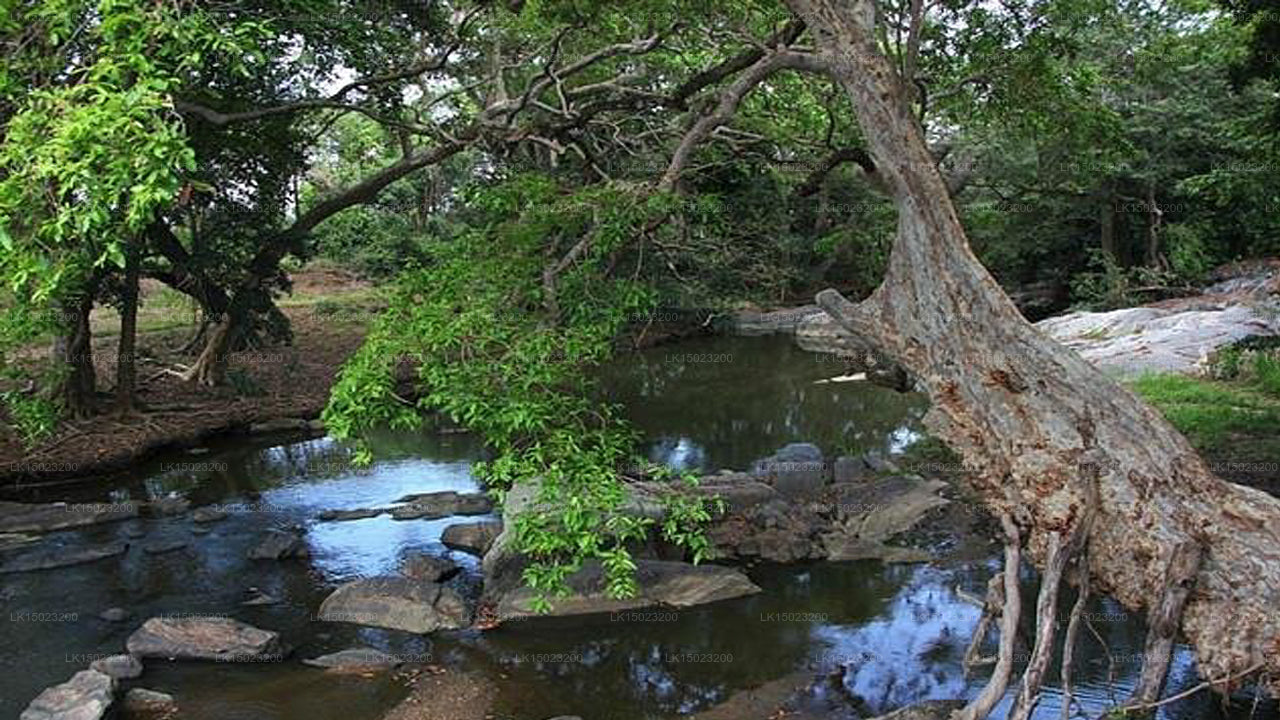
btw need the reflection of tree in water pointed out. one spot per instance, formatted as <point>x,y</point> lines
<point>740,399</point>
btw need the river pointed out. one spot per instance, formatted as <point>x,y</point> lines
<point>899,631</point>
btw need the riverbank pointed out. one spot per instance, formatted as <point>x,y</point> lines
<point>277,387</point>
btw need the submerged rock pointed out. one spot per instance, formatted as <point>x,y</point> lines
<point>169,505</point>
<point>208,514</point>
<point>277,545</point>
<point>88,695</point>
<point>357,514</point>
<point>46,558</point>
<point>475,538</point>
<point>205,638</point>
<point>432,568</point>
<point>120,667</point>
<point>665,583</point>
<point>354,660</point>
<point>431,506</point>
<point>24,517</point>
<point>115,614</point>
<point>397,603</point>
<point>144,701</point>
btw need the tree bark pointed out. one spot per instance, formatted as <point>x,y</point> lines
<point>126,367</point>
<point>1034,421</point>
<point>74,352</point>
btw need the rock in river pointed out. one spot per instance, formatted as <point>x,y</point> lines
<point>120,667</point>
<point>86,696</point>
<point>475,538</point>
<point>431,506</point>
<point>354,660</point>
<point>23,517</point>
<point>205,638</point>
<point>431,568</point>
<point>673,584</point>
<point>142,701</point>
<point>277,545</point>
<point>356,514</point>
<point>45,558</point>
<point>208,514</point>
<point>398,603</point>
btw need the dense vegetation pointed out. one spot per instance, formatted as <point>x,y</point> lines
<point>538,176</point>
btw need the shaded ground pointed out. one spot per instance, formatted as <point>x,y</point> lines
<point>329,310</point>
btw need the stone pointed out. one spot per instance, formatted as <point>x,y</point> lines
<point>435,505</point>
<point>120,667</point>
<point>431,568</point>
<point>144,701</point>
<point>46,558</point>
<point>205,638</point>
<point>208,514</point>
<point>475,538</point>
<point>169,505</point>
<point>88,695</point>
<point>115,615</point>
<point>357,514</point>
<point>258,598</point>
<point>278,545</point>
<point>164,546</point>
<point>661,583</point>
<point>879,461</point>
<point>397,603</point>
<point>200,530</point>
<point>24,517</point>
<point>796,469</point>
<point>848,469</point>
<point>354,660</point>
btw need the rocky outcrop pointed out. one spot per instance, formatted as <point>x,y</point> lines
<point>661,583</point>
<point>435,505</point>
<point>205,638</point>
<point>47,558</point>
<point>24,517</point>
<point>88,695</point>
<point>354,660</point>
<point>475,538</point>
<point>397,603</point>
<point>432,568</point>
<point>278,545</point>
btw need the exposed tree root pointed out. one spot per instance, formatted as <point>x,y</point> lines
<point>981,706</point>
<point>1163,619</point>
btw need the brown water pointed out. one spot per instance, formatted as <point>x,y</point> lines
<point>898,631</point>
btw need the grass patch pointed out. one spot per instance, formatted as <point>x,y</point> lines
<point>1214,414</point>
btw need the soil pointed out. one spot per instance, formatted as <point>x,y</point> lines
<point>264,384</point>
<point>446,695</point>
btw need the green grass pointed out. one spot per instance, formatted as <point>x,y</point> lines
<point>1215,414</point>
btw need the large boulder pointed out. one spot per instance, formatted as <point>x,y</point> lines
<point>432,568</point>
<point>397,603</point>
<point>23,517</point>
<point>475,538</point>
<point>661,583</point>
<point>141,701</point>
<point>867,515</point>
<point>120,667</point>
<point>205,638</point>
<point>49,557</point>
<point>435,505</point>
<point>88,695</point>
<point>796,469</point>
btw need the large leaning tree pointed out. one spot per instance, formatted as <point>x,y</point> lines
<point>1095,484</point>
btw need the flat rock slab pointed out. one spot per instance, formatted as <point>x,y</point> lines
<point>432,506</point>
<point>475,538</point>
<point>47,558</point>
<point>397,603</point>
<point>24,517</point>
<point>357,514</point>
<point>354,660</point>
<point>672,584</point>
<point>86,696</point>
<point>205,638</point>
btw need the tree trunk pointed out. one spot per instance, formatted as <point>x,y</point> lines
<point>126,368</point>
<point>1107,219</point>
<point>74,351</point>
<point>1155,222</point>
<point>1036,423</point>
